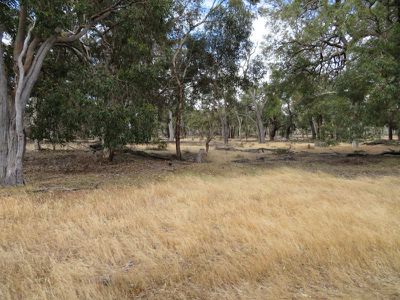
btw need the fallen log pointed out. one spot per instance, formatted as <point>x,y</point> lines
<point>255,150</point>
<point>381,142</point>
<point>148,155</point>
<point>390,152</point>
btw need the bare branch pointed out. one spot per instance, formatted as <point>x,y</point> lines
<point>82,30</point>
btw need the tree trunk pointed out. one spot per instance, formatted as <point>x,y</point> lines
<point>37,145</point>
<point>260,127</point>
<point>318,123</point>
<point>390,133</point>
<point>111,154</point>
<point>259,121</point>
<point>287,132</point>
<point>12,139</point>
<point>178,122</point>
<point>240,120</point>
<point>171,133</point>
<point>313,131</point>
<point>4,115</point>
<point>208,140</point>
<point>272,132</point>
<point>232,132</point>
<point>28,60</point>
<point>398,134</point>
<point>224,127</point>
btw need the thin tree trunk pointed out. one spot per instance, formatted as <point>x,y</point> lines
<point>171,133</point>
<point>259,121</point>
<point>260,127</point>
<point>319,124</point>
<point>111,154</point>
<point>4,115</point>
<point>178,122</point>
<point>208,140</point>
<point>240,120</point>
<point>313,131</point>
<point>224,127</point>
<point>390,133</point>
<point>287,132</point>
<point>37,145</point>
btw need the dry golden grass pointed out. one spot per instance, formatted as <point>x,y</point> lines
<point>281,233</point>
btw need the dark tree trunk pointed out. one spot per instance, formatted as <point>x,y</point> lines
<point>272,131</point>
<point>287,132</point>
<point>319,124</point>
<point>111,154</point>
<point>37,145</point>
<point>313,131</point>
<point>390,133</point>
<point>224,128</point>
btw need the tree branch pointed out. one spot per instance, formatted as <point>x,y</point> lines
<point>19,40</point>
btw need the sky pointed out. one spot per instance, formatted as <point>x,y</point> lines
<point>260,29</point>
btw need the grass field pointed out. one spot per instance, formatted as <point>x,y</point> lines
<point>313,226</point>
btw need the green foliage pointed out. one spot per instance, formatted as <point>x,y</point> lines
<point>117,126</point>
<point>57,118</point>
<point>204,122</point>
<point>57,111</point>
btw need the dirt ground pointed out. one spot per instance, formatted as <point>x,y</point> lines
<point>76,167</point>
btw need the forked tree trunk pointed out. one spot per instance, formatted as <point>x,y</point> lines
<point>12,137</point>
<point>28,55</point>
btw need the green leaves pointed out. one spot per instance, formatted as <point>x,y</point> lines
<point>117,125</point>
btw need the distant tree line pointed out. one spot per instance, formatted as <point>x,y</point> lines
<point>129,71</point>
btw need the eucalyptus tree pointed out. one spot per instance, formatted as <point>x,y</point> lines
<point>187,19</point>
<point>32,29</point>
<point>223,27</point>
<point>227,34</point>
<point>58,106</point>
<point>360,38</point>
<point>254,74</point>
<point>205,122</point>
<point>128,74</point>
